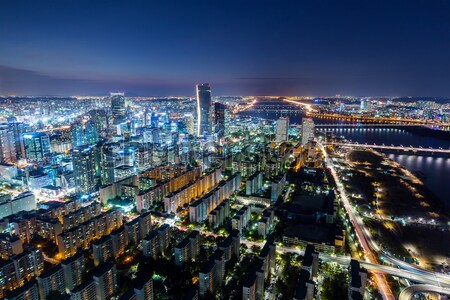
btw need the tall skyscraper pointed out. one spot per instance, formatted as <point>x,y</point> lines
<point>154,120</point>
<point>83,161</point>
<point>18,129</point>
<point>189,121</point>
<point>37,146</point>
<point>118,105</point>
<point>91,132</point>
<point>108,158</point>
<point>282,130</point>
<point>307,131</point>
<point>76,134</point>
<point>203,109</point>
<point>219,118</point>
<point>7,145</point>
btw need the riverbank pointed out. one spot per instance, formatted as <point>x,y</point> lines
<point>397,206</point>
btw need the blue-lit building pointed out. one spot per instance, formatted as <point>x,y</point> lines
<point>83,161</point>
<point>91,133</point>
<point>118,108</point>
<point>37,146</point>
<point>76,134</point>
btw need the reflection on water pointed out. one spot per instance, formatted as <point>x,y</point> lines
<point>436,170</point>
<point>389,136</point>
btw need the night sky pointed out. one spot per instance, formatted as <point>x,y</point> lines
<point>157,48</point>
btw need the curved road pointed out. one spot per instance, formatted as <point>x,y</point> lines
<point>361,232</point>
<point>370,248</point>
<point>408,293</point>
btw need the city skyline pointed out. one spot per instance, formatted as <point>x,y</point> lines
<point>256,48</point>
<point>308,159</point>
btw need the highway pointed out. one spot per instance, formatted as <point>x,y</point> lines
<point>416,275</point>
<point>403,269</point>
<point>408,293</point>
<point>370,248</point>
<point>361,232</point>
<point>408,271</point>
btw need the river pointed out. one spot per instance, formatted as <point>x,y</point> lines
<point>436,169</point>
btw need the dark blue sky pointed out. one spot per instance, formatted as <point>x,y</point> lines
<point>316,47</point>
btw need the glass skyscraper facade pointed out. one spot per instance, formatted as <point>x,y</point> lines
<point>83,161</point>
<point>37,145</point>
<point>204,122</point>
<point>118,105</point>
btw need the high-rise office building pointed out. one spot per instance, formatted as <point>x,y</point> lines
<point>204,121</point>
<point>189,122</point>
<point>282,130</point>
<point>7,145</point>
<point>118,108</point>
<point>37,146</point>
<point>108,162</point>
<point>83,161</point>
<point>18,129</point>
<point>154,120</point>
<point>307,131</point>
<point>219,119</point>
<point>77,134</point>
<point>91,132</point>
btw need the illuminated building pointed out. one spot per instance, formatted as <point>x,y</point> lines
<point>7,146</point>
<point>219,119</point>
<point>204,121</point>
<point>83,161</point>
<point>18,129</point>
<point>10,245</point>
<point>119,239</point>
<point>85,291</point>
<point>27,292</point>
<point>187,249</point>
<point>77,134</point>
<point>281,134</point>
<point>105,279</point>
<point>118,105</point>
<point>307,131</point>
<point>189,122</point>
<point>144,289</point>
<point>74,269</point>
<point>52,280</point>
<point>37,146</point>
<point>102,250</point>
<point>91,132</point>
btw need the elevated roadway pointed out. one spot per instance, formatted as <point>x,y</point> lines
<point>409,292</point>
